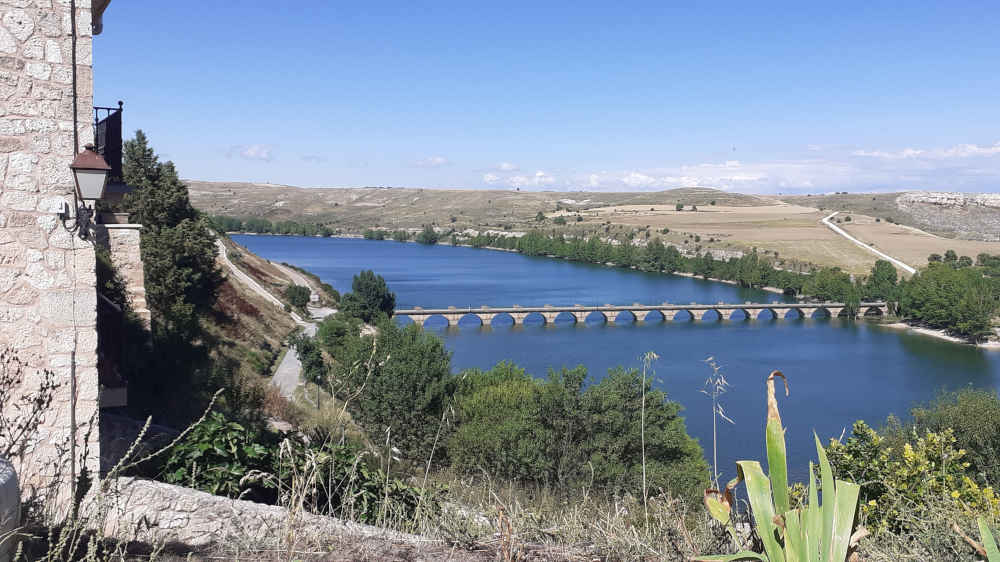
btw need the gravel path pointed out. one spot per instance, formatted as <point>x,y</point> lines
<point>288,375</point>
<point>881,254</point>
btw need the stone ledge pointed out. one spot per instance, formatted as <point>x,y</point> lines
<point>164,513</point>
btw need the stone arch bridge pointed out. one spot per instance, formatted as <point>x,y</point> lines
<point>638,312</point>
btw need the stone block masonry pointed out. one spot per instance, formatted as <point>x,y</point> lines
<point>47,273</point>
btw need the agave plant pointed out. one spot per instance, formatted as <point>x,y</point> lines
<point>816,532</point>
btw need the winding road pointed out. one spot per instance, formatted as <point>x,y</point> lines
<point>288,374</point>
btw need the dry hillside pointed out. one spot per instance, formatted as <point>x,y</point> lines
<point>786,227</point>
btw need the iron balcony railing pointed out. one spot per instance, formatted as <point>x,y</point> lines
<point>108,138</point>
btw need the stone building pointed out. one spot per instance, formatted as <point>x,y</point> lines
<point>48,297</point>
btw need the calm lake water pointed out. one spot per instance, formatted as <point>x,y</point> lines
<point>838,370</point>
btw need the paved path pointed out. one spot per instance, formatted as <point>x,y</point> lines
<point>288,375</point>
<point>883,255</point>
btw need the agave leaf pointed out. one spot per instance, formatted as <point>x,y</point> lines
<point>718,506</point>
<point>777,458</point>
<point>989,543</point>
<point>744,555</point>
<point>845,507</point>
<point>759,492</point>
<point>829,493</point>
<point>813,517</point>
<point>795,544</point>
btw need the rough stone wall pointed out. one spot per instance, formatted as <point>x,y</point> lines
<point>47,280</point>
<point>122,241</point>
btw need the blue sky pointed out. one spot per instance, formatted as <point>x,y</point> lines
<point>796,97</point>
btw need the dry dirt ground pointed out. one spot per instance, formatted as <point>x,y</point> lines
<point>791,230</point>
<point>911,245</point>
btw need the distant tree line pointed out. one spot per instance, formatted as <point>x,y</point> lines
<point>258,225</point>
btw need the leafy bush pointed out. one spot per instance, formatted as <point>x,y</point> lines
<point>553,431</point>
<point>899,485</point>
<point>974,417</point>
<point>402,378</point>
<point>370,298</point>
<point>335,329</point>
<point>559,220</point>
<point>216,456</point>
<point>298,296</point>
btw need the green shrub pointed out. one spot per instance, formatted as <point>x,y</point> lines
<point>899,485</point>
<point>335,329</point>
<point>298,296</point>
<point>974,417</point>
<point>553,431</point>
<point>559,220</point>
<point>216,456</point>
<point>402,377</point>
<point>370,298</point>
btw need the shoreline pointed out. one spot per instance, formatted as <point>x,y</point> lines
<point>938,334</point>
<point>941,335</point>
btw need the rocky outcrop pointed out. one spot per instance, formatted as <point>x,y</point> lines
<point>971,216</point>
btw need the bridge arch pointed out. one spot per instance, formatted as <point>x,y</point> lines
<point>502,319</point>
<point>564,317</point>
<point>653,316</point>
<point>739,315</point>
<point>625,317</point>
<point>683,316</point>
<point>711,315</point>
<point>470,319</point>
<point>534,318</point>
<point>596,317</point>
<point>435,321</point>
<point>874,311</point>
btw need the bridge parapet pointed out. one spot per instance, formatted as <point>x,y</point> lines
<point>611,313</point>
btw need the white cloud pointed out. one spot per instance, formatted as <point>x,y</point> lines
<point>433,162</point>
<point>262,152</point>
<point>957,151</point>
<point>963,167</point>
<point>507,167</point>
<point>314,158</point>
<point>539,179</point>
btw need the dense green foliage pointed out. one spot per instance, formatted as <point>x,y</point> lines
<point>401,378</point>
<point>298,296</point>
<point>178,250</point>
<point>370,298</point>
<point>973,415</point>
<point>174,380</point>
<point>311,357</point>
<point>216,456</point>
<point>953,296</point>
<point>555,430</point>
<point>903,483</point>
<point>258,225</point>
<point>225,458</point>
